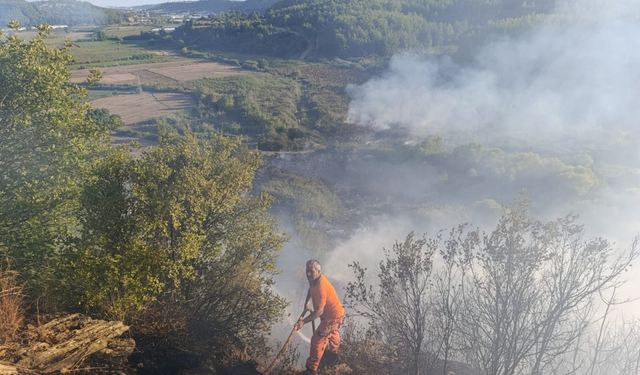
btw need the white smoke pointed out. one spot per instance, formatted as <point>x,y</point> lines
<point>566,92</point>
<point>570,84</point>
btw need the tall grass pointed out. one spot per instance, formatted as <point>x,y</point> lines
<point>11,313</point>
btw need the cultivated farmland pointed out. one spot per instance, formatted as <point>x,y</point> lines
<point>135,108</point>
<point>159,73</point>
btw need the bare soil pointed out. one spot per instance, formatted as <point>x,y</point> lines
<point>135,108</point>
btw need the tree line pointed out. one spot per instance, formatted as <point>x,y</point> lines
<point>67,12</point>
<point>330,28</point>
<point>212,6</point>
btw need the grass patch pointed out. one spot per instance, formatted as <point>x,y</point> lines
<point>57,37</point>
<point>326,107</point>
<point>290,106</point>
<point>125,31</point>
<point>146,132</point>
<point>261,105</point>
<point>325,103</point>
<point>99,94</point>
<point>106,53</point>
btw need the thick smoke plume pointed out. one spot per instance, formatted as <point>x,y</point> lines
<point>560,85</point>
<point>566,92</point>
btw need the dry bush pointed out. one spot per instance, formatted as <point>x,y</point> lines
<point>287,363</point>
<point>289,360</point>
<point>364,353</point>
<point>11,314</point>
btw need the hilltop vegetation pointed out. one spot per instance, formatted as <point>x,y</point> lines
<point>59,12</point>
<point>212,6</point>
<point>329,28</point>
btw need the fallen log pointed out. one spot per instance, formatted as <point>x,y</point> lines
<point>8,369</point>
<point>65,343</point>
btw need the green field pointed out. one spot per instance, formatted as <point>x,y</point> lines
<point>106,53</point>
<point>99,94</point>
<point>89,53</point>
<point>58,37</point>
<point>125,31</point>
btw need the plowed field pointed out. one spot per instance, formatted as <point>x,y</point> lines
<point>134,108</point>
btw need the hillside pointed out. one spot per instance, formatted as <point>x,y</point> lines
<point>67,12</point>
<point>212,6</point>
<point>333,28</point>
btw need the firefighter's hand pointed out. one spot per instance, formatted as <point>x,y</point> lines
<point>299,324</point>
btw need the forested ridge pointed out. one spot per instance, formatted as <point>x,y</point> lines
<point>63,12</point>
<point>329,28</point>
<point>212,6</point>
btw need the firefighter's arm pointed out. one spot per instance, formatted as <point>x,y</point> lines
<point>314,315</point>
<point>306,304</point>
<point>311,317</point>
<point>300,321</point>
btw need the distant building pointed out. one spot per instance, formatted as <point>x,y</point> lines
<point>165,29</point>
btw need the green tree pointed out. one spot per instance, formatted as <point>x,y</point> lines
<point>95,75</point>
<point>105,119</point>
<point>178,227</point>
<point>48,143</point>
<point>100,35</point>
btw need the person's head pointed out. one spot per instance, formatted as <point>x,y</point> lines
<point>313,270</point>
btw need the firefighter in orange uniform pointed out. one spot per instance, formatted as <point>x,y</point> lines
<point>327,307</point>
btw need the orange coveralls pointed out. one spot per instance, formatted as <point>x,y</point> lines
<point>323,295</point>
